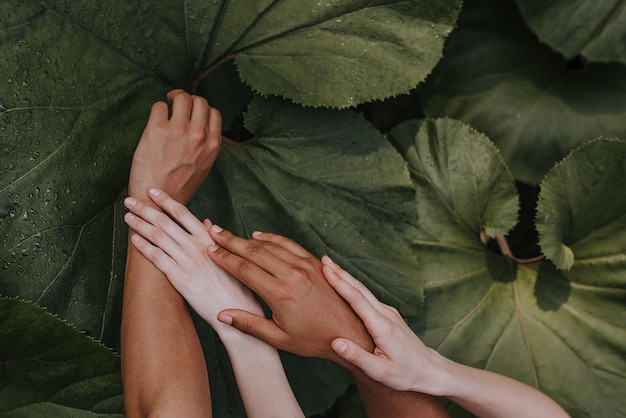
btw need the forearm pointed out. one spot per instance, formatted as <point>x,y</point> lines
<point>253,360</point>
<point>490,395</point>
<point>163,368</point>
<point>381,401</point>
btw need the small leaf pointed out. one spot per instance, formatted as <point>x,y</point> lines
<point>589,28</point>
<point>51,369</point>
<point>463,185</point>
<point>581,213</point>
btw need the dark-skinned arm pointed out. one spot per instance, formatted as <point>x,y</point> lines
<point>163,367</point>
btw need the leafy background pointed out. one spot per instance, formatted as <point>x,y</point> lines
<point>477,185</point>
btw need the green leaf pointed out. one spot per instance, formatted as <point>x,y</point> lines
<point>342,53</point>
<point>533,323</point>
<point>581,214</point>
<point>592,29</point>
<point>462,183</point>
<point>51,369</point>
<point>536,107</point>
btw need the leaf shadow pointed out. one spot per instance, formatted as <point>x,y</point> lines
<point>552,287</point>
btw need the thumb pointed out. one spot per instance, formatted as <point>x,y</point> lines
<point>252,324</point>
<point>357,356</point>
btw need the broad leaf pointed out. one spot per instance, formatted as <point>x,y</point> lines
<point>595,30</point>
<point>581,214</point>
<point>48,368</point>
<point>535,106</point>
<point>531,322</point>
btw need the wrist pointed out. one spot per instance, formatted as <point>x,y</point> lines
<point>442,379</point>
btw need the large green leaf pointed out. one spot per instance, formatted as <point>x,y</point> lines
<point>535,106</point>
<point>593,29</point>
<point>48,368</point>
<point>581,214</point>
<point>532,322</point>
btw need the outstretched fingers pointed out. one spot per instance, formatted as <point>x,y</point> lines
<point>282,242</point>
<point>158,257</point>
<point>251,256</point>
<point>155,226</point>
<point>347,277</point>
<point>225,254</point>
<point>178,212</point>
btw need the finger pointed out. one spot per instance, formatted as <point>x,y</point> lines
<point>255,325</point>
<point>156,227</point>
<point>344,275</point>
<point>215,124</point>
<point>178,212</point>
<point>283,242</point>
<point>199,113</point>
<point>273,259</point>
<point>372,365</point>
<point>369,313</point>
<point>253,276</point>
<point>181,105</point>
<point>159,113</point>
<point>155,255</point>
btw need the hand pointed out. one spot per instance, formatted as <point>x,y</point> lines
<point>307,314</point>
<point>176,154</point>
<point>400,360</point>
<point>181,255</point>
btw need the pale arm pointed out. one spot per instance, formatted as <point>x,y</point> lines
<point>163,368</point>
<point>402,361</point>
<point>178,250</point>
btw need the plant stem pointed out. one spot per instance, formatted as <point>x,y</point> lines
<point>506,251</point>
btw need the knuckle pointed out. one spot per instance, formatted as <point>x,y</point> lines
<point>299,273</point>
<point>158,236</point>
<point>180,211</point>
<point>199,101</point>
<point>244,267</point>
<point>161,220</point>
<point>255,249</point>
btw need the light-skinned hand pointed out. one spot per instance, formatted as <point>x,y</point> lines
<point>177,247</point>
<point>400,360</point>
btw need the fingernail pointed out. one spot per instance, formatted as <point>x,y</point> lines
<point>216,228</point>
<point>135,238</point>
<point>212,248</point>
<point>339,346</point>
<point>130,217</point>
<point>130,201</point>
<point>257,233</point>
<point>154,192</point>
<point>226,319</point>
